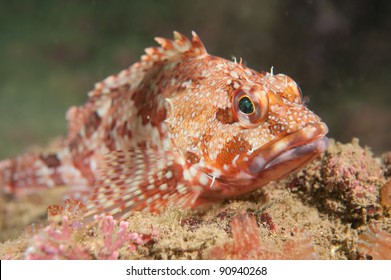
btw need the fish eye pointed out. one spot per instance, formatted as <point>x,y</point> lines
<point>246,105</point>
<point>250,106</point>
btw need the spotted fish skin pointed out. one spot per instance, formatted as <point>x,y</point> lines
<point>178,127</point>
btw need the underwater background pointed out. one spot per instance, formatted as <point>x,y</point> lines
<point>52,53</point>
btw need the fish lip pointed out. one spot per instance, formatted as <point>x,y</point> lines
<point>308,142</point>
<point>315,147</point>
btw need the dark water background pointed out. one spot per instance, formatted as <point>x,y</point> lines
<point>52,53</point>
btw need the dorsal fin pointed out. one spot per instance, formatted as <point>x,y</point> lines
<point>168,49</point>
<point>172,48</point>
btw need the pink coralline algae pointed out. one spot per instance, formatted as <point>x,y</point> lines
<point>58,239</point>
<point>54,243</point>
<point>113,239</point>
<point>73,211</point>
<point>63,237</point>
<point>64,241</point>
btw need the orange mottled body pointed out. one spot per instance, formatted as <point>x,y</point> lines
<point>181,127</point>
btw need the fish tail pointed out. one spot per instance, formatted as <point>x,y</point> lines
<point>34,171</point>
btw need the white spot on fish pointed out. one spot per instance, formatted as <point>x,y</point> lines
<point>169,175</point>
<point>163,187</point>
<point>204,179</point>
<point>234,75</point>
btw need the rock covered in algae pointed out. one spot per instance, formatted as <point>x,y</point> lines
<point>346,181</point>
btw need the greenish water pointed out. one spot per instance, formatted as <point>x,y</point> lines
<point>52,53</point>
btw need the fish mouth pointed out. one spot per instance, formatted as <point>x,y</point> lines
<point>289,153</point>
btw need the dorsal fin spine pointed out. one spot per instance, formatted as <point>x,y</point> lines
<point>168,49</point>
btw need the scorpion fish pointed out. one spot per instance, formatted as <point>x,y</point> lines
<point>180,127</point>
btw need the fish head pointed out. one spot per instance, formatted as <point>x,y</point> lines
<point>240,127</point>
<point>283,133</point>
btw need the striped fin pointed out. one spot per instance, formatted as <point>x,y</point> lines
<point>144,179</point>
